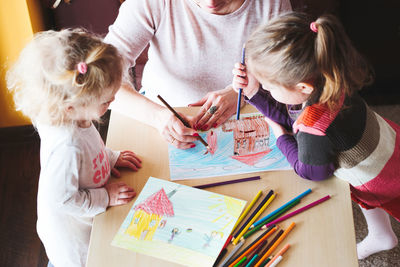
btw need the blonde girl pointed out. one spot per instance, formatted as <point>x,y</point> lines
<point>309,74</point>
<point>63,81</point>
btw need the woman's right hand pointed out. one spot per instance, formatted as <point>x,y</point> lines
<point>175,132</point>
<point>245,80</point>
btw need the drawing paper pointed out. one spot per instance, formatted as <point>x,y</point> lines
<point>236,147</point>
<point>178,223</point>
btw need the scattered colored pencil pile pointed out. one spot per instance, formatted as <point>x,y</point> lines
<point>259,252</point>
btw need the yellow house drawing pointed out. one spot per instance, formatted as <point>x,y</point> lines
<point>149,213</point>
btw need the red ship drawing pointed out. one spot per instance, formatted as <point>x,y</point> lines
<point>251,138</point>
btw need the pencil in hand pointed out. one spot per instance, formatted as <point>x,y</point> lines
<point>240,89</point>
<point>182,120</point>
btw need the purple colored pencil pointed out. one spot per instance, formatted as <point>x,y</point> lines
<point>297,211</point>
<point>228,182</point>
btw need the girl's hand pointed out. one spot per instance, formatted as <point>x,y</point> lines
<point>276,128</point>
<point>126,159</point>
<point>245,80</point>
<point>216,108</point>
<point>119,193</point>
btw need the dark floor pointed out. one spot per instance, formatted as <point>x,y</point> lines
<point>19,172</point>
<point>20,245</point>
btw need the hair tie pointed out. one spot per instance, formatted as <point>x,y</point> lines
<point>313,26</point>
<point>82,67</point>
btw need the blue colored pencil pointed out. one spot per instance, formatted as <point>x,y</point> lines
<point>260,221</point>
<point>252,261</point>
<point>240,89</point>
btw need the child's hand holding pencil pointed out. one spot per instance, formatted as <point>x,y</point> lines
<point>245,80</point>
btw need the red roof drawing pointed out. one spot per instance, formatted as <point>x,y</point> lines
<point>158,203</point>
<point>251,159</point>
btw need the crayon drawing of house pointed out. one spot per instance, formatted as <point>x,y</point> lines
<point>149,213</point>
<point>251,138</point>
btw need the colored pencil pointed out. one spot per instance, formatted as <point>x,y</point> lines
<point>247,251</point>
<point>256,242</point>
<point>182,120</point>
<point>266,261</point>
<point>260,221</point>
<point>240,262</point>
<point>255,198</point>
<point>253,259</point>
<point>285,233</point>
<point>265,249</point>
<point>275,262</point>
<point>299,210</point>
<point>280,253</point>
<point>260,226</point>
<point>255,251</point>
<point>265,199</point>
<point>220,256</point>
<point>228,240</point>
<point>261,210</point>
<point>228,182</point>
<point>233,252</point>
<point>240,89</point>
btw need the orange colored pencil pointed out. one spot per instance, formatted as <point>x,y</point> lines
<point>253,246</point>
<point>280,253</point>
<point>285,233</point>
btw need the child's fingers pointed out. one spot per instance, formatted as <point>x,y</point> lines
<point>122,201</point>
<point>129,194</point>
<point>238,72</point>
<point>124,188</point>
<point>135,161</point>
<point>131,154</point>
<point>130,165</point>
<point>240,80</point>
<point>115,172</point>
<point>240,66</point>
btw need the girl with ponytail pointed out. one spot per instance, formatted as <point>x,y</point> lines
<point>63,81</point>
<point>304,75</point>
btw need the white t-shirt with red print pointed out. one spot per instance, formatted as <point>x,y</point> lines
<point>75,166</point>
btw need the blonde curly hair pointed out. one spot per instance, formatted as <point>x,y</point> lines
<point>45,79</point>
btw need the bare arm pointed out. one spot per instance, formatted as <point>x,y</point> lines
<point>128,101</point>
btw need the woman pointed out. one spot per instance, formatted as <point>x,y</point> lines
<point>193,44</point>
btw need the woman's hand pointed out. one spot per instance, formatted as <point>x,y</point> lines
<point>245,80</point>
<point>175,132</point>
<point>119,193</point>
<point>276,128</point>
<point>126,159</point>
<point>216,108</point>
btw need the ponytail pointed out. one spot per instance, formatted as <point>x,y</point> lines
<point>343,69</point>
<point>294,48</point>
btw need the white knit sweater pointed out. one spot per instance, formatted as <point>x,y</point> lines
<point>191,52</point>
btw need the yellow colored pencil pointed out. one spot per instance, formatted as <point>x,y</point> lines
<point>285,233</point>
<point>254,219</point>
<point>256,197</point>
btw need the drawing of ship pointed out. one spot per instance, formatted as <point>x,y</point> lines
<point>251,138</point>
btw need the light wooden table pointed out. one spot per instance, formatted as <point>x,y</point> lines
<point>324,235</point>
